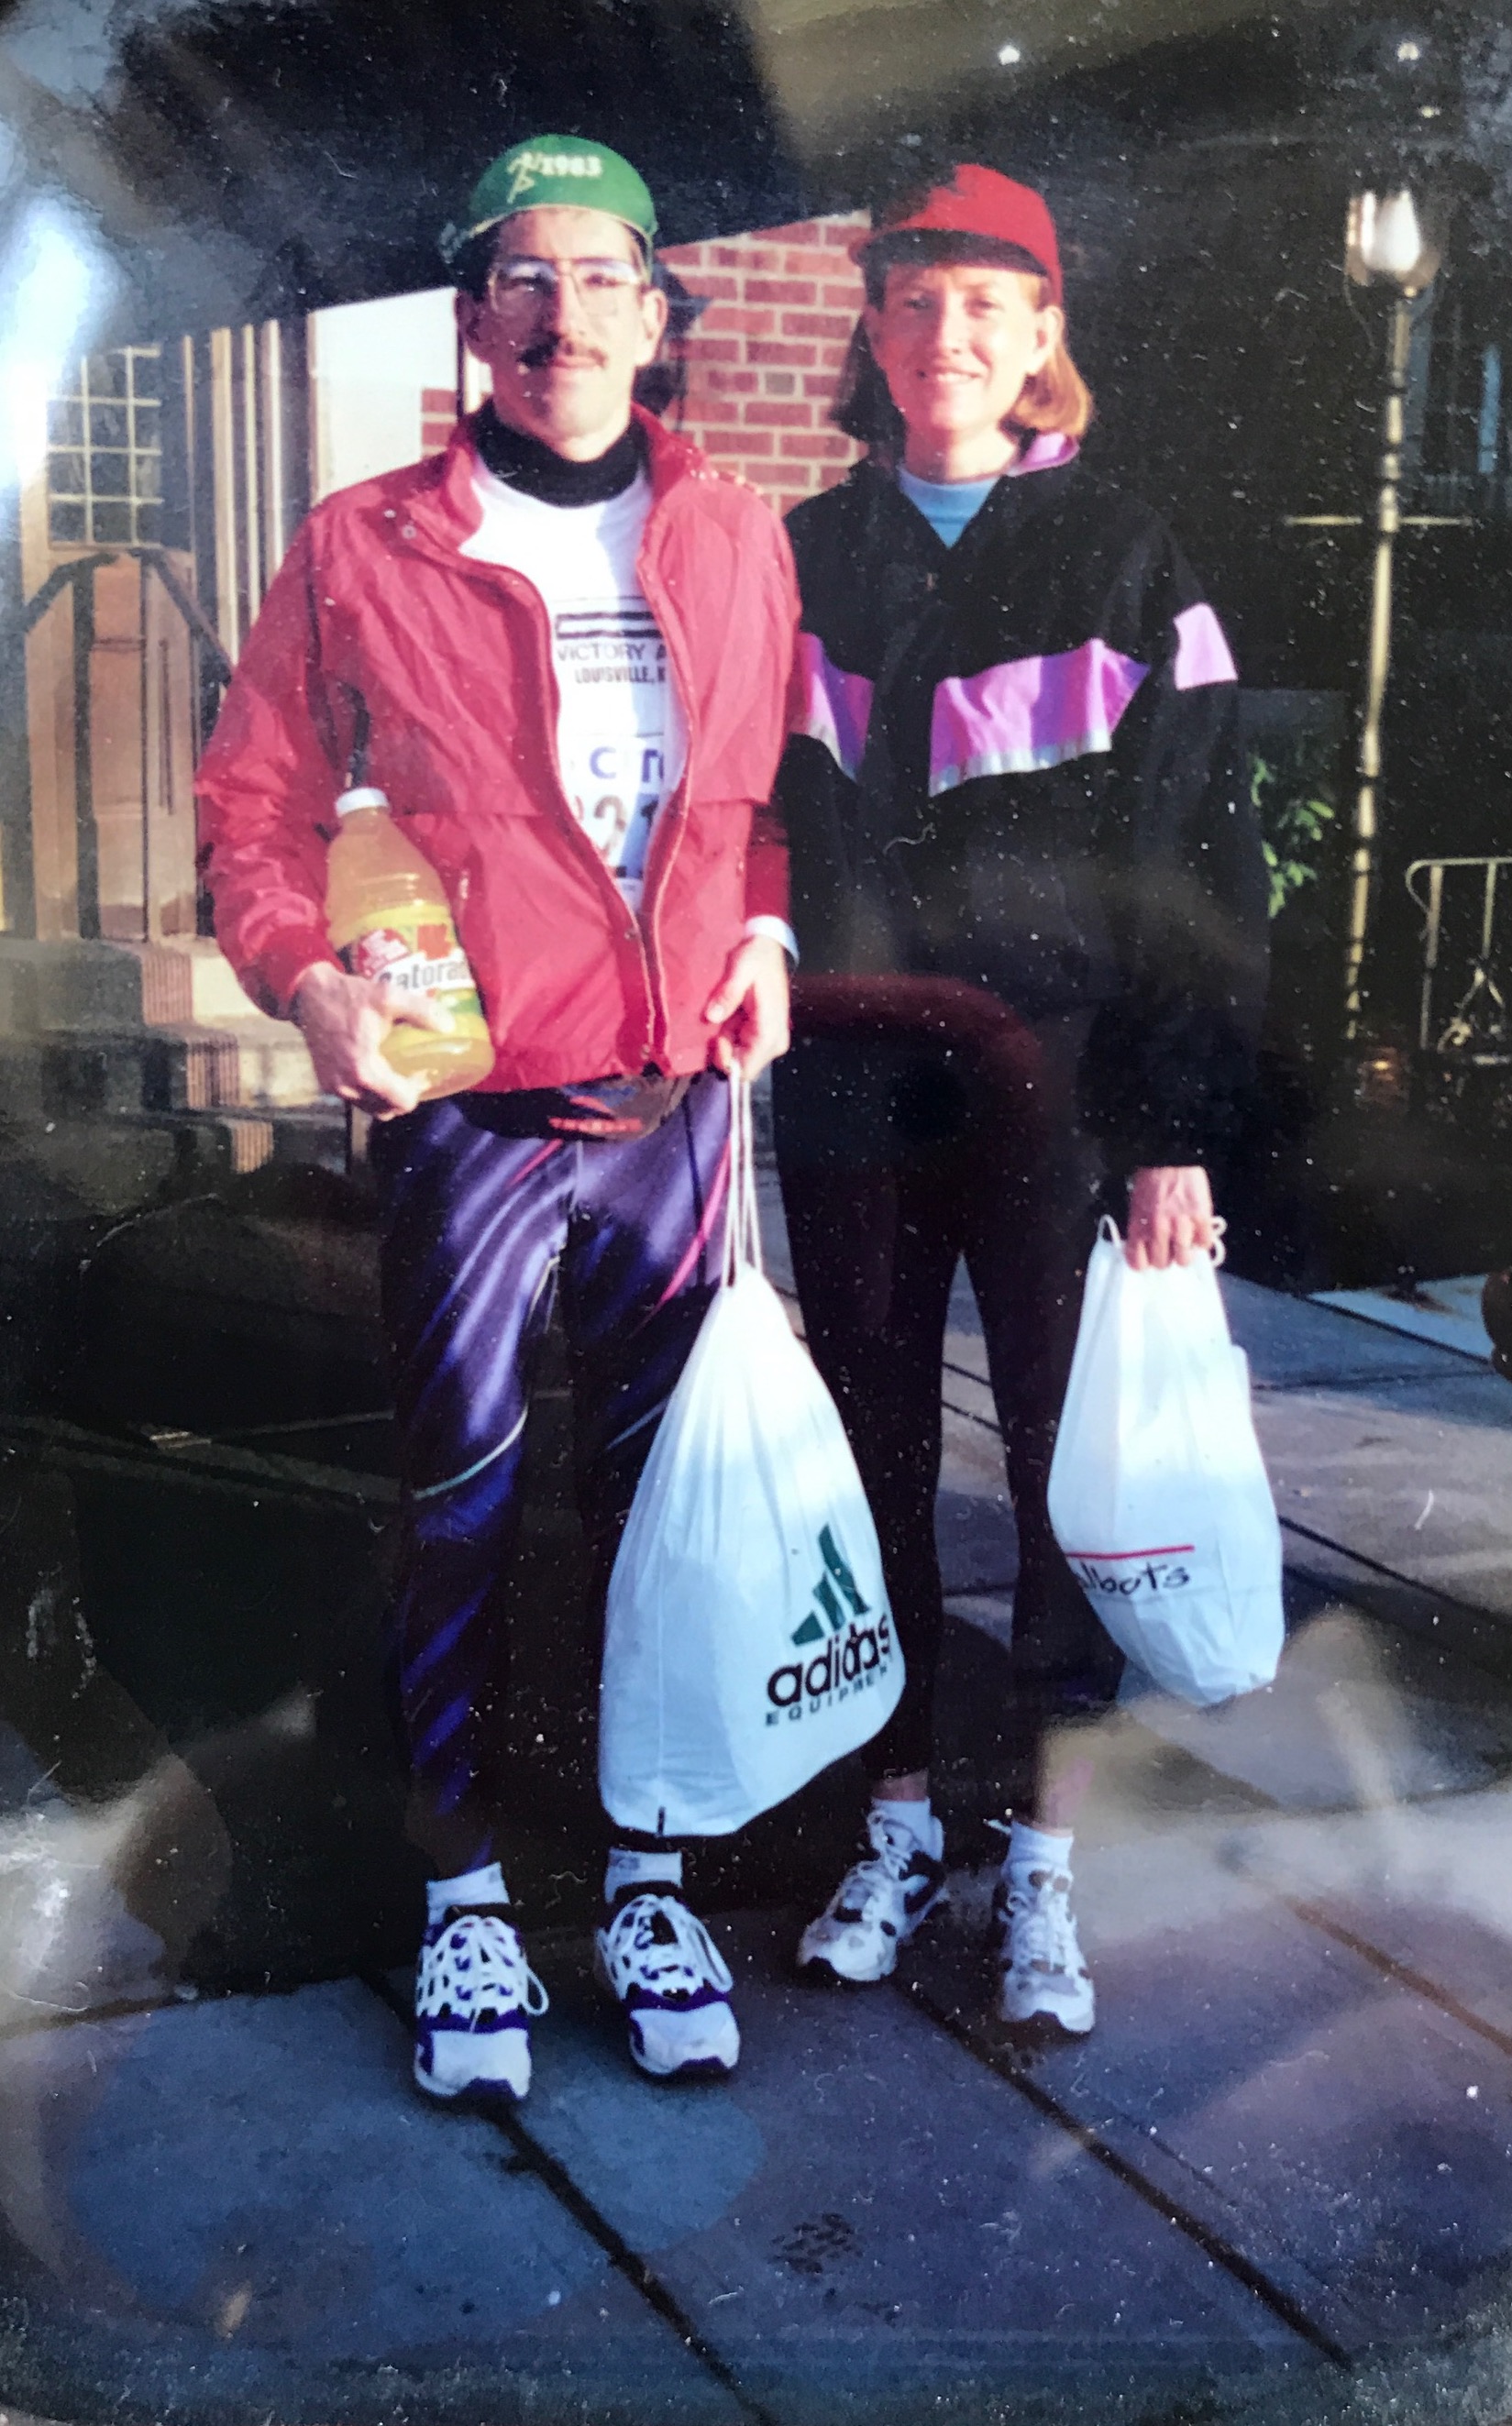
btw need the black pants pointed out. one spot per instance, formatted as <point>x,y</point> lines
<point>898,1154</point>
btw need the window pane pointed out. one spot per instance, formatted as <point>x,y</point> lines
<point>105,449</point>
<point>108,425</point>
<point>66,523</point>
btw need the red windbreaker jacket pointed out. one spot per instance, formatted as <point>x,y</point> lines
<point>374,610</point>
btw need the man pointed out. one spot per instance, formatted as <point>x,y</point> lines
<point>561,651</point>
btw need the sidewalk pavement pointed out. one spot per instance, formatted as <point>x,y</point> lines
<point>1275,2183</point>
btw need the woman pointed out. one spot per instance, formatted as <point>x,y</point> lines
<point>1030,903</point>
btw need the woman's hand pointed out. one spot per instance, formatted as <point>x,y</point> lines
<point>1170,1216</point>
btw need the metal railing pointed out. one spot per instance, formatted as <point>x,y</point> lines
<point>78,576</point>
<point>1484,496</point>
<point>1464,895</point>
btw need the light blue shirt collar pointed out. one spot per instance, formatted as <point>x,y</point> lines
<point>947,506</point>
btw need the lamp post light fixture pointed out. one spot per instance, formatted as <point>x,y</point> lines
<point>1385,244</point>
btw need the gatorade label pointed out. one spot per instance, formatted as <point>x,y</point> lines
<point>420,958</point>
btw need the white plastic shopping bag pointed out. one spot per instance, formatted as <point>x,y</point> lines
<point>748,1640</point>
<point>1158,1492</point>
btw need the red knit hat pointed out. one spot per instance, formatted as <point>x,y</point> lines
<point>979,201</point>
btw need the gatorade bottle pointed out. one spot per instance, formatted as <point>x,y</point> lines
<point>389,919</point>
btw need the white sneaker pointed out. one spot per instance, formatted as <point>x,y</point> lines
<point>1043,1976</point>
<point>877,1906</point>
<point>474,1996</point>
<point>659,1962</point>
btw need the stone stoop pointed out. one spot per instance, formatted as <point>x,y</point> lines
<point>144,1029</point>
<point>151,1036</point>
<point>77,985</point>
<point>192,981</point>
<point>62,1074</point>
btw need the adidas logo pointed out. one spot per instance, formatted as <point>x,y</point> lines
<point>838,1580</point>
<point>852,1656</point>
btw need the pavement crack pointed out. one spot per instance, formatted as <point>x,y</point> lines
<point>1401,1973</point>
<point>1213,2243</point>
<point>1392,1575</point>
<point>555,2178</point>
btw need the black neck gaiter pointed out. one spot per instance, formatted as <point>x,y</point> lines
<point>539,472</point>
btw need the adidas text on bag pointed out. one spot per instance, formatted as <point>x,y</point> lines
<point>748,1642</point>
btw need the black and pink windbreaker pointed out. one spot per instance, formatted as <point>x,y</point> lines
<point>1014,763</point>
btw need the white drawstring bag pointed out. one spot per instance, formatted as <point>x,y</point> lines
<point>748,1640</point>
<point>1158,1492</point>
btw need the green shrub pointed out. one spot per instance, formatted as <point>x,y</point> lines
<point>1292,795</point>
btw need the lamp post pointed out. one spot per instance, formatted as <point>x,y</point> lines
<point>1385,244</point>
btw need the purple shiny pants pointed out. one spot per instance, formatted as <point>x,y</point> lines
<point>484,1234</point>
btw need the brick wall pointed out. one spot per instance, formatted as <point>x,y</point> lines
<point>438,413</point>
<point>764,360</point>
<point>765,357</point>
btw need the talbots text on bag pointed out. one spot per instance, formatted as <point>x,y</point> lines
<point>1158,1492</point>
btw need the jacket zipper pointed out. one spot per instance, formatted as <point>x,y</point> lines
<point>527,596</point>
<point>675,813</point>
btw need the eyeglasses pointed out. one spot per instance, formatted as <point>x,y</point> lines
<point>522,288</point>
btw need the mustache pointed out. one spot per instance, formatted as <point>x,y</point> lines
<point>545,349</point>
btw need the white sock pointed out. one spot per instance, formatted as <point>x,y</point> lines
<point>1038,1848</point>
<point>920,1820</point>
<point>470,1887</point>
<point>626,1869</point>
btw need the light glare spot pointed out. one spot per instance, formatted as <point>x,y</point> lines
<point>233,2311</point>
<point>52,284</point>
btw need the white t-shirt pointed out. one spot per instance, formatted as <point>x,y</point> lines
<point>622,736</point>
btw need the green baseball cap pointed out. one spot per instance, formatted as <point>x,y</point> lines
<point>547,170</point>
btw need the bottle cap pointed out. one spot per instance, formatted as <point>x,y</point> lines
<point>362,796</point>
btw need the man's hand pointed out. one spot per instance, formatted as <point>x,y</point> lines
<point>344,1021</point>
<point>1170,1217</point>
<point>750,1009</point>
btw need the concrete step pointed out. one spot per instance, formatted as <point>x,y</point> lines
<point>232,1142</point>
<point>194,980</point>
<point>74,984</point>
<point>112,1163</point>
<point>60,1074</point>
<point>275,1067</point>
<point>69,984</point>
<point>54,1172</point>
